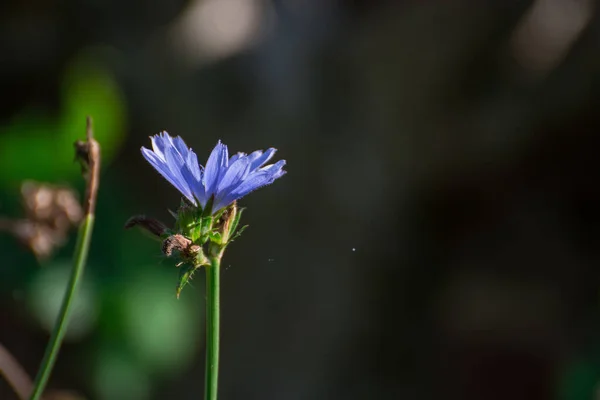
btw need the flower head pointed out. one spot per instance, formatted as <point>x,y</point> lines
<point>224,179</point>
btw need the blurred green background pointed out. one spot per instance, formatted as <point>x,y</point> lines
<point>437,234</point>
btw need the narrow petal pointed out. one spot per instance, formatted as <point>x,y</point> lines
<point>263,158</point>
<point>180,167</point>
<point>193,165</point>
<point>255,155</point>
<point>216,164</point>
<point>200,193</point>
<point>162,168</point>
<point>233,177</point>
<point>254,180</point>
<point>179,172</point>
<point>157,162</point>
<point>257,180</point>
<point>275,170</point>
<point>223,202</point>
<point>158,144</point>
<point>181,147</point>
<point>235,157</point>
<point>278,165</point>
<point>195,180</point>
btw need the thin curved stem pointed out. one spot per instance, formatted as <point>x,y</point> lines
<point>89,155</point>
<point>60,328</point>
<point>212,329</point>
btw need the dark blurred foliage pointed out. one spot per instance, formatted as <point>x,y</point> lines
<point>436,235</point>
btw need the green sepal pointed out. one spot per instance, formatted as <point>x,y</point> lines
<point>215,237</point>
<point>206,224</point>
<point>217,216</point>
<point>189,222</point>
<point>234,225</point>
<point>238,234</point>
<point>186,273</point>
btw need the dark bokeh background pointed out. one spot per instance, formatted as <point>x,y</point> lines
<point>437,233</point>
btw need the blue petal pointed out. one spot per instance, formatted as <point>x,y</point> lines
<point>163,140</point>
<point>200,194</point>
<point>158,144</point>
<point>158,163</point>
<point>258,179</point>
<point>232,178</point>
<point>278,165</point>
<point>235,157</point>
<point>185,162</point>
<point>197,173</point>
<point>234,174</point>
<point>228,179</point>
<point>180,172</point>
<point>255,181</point>
<point>193,165</point>
<point>224,202</point>
<point>216,164</point>
<point>163,168</point>
<point>263,158</point>
<point>178,164</point>
<point>181,147</point>
<point>254,155</point>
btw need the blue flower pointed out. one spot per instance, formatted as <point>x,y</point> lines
<point>225,179</point>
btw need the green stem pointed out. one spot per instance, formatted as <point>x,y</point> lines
<point>211,373</point>
<point>60,327</point>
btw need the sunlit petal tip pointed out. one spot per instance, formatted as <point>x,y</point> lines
<point>236,156</point>
<point>150,155</point>
<point>278,174</point>
<point>263,158</point>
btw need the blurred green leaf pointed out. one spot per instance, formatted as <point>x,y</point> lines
<point>162,331</point>
<point>89,89</point>
<point>118,377</point>
<point>37,145</point>
<point>45,295</point>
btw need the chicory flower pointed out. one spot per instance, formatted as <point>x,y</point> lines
<point>225,179</point>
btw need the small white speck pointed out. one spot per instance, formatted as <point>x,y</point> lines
<point>354,249</point>
<point>271,260</point>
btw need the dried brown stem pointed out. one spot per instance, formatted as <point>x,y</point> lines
<point>88,153</point>
<point>151,225</point>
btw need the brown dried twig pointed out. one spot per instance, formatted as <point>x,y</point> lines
<point>88,153</point>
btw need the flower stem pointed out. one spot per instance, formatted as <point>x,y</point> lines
<point>211,373</point>
<point>60,328</point>
<point>88,153</point>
